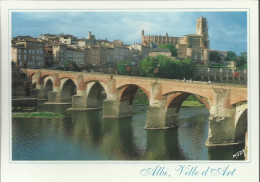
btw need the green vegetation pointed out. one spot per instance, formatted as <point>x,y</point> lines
<point>140,98</point>
<point>191,104</point>
<point>164,67</point>
<point>192,101</point>
<point>215,56</point>
<point>37,115</point>
<point>231,56</point>
<point>123,67</point>
<point>71,66</point>
<point>172,49</point>
<point>241,61</point>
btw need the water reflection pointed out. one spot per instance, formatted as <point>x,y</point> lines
<point>86,136</point>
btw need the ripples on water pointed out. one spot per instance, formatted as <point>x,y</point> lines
<point>86,136</point>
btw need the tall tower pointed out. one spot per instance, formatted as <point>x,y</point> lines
<point>202,27</point>
<point>143,43</point>
<point>202,30</point>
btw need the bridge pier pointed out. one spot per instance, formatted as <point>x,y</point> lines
<point>221,120</point>
<point>157,115</point>
<point>54,97</point>
<point>156,118</point>
<point>116,109</point>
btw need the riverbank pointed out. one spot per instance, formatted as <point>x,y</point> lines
<point>36,115</point>
<point>191,104</point>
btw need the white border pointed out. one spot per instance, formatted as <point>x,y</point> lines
<point>126,171</point>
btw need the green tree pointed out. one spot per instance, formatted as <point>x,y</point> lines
<point>172,48</point>
<point>188,68</point>
<point>147,67</point>
<point>215,56</point>
<point>241,61</point>
<point>123,67</point>
<point>230,56</point>
<point>164,67</point>
<point>71,66</point>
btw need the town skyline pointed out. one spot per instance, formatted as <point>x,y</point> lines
<point>227,33</point>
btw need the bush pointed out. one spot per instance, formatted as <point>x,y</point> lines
<point>164,67</point>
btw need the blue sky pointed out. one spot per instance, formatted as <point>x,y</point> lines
<point>227,30</point>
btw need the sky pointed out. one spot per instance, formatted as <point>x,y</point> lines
<point>227,30</point>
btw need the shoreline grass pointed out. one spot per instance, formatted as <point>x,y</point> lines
<point>36,115</point>
<point>191,104</point>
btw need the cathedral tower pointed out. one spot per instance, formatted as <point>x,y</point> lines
<point>202,30</point>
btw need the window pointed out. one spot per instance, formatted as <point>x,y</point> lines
<point>24,57</point>
<point>19,50</point>
<point>19,57</point>
<point>37,51</point>
<point>30,50</point>
<point>195,57</point>
<point>33,57</point>
<point>33,51</point>
<point>25,50</point>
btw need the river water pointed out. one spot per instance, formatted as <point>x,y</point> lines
<point>87,136</point>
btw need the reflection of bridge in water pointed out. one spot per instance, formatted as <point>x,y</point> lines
<point>227,104</point>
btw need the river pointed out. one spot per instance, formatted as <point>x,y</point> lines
<point>87,136</point>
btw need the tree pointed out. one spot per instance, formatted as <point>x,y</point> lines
<point>147,67</point>
<point>71,66</point>
<point>164,67</point>
<point>172,48</point>
<point>241,61</point>
<point>188,68</point>
<point>215,56</point>
<point>124,67</point>
<point>230,56</point>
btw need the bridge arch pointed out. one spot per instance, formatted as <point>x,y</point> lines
<point>68,89</point>
<point>175,99</point>
<point>241,121</point>
<point>128,93</point>
<point>48,86</point>
<point>33,78</point>
<point>96,94</point>
<point>174,102</point>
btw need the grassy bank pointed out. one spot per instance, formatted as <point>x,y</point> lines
<point>191,104</point>
<point>37,115</point>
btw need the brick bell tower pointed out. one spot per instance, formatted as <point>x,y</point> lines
<point>202,30</point>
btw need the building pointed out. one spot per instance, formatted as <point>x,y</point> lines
<point>65,39</point>
<point>193,46</point>
<point>28,52</point>
<point>76,55</point>
<point>160,51</point>
<point>120,53</point>
<point>59,54</point>
<point>137,52</point>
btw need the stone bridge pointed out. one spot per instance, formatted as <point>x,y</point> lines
<point>227,104</point>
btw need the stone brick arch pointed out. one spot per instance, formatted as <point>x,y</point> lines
<point>241,121</point>
<point>33,78</point>
<point>48,79</point>
<point>68,89</point>
<point>128,92</point>
<point>48,84</point>
<point>64,79</point>
<point>173,105</point>
<point>177,98</point>
<point>96,93</point>
<point>90,83</point>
